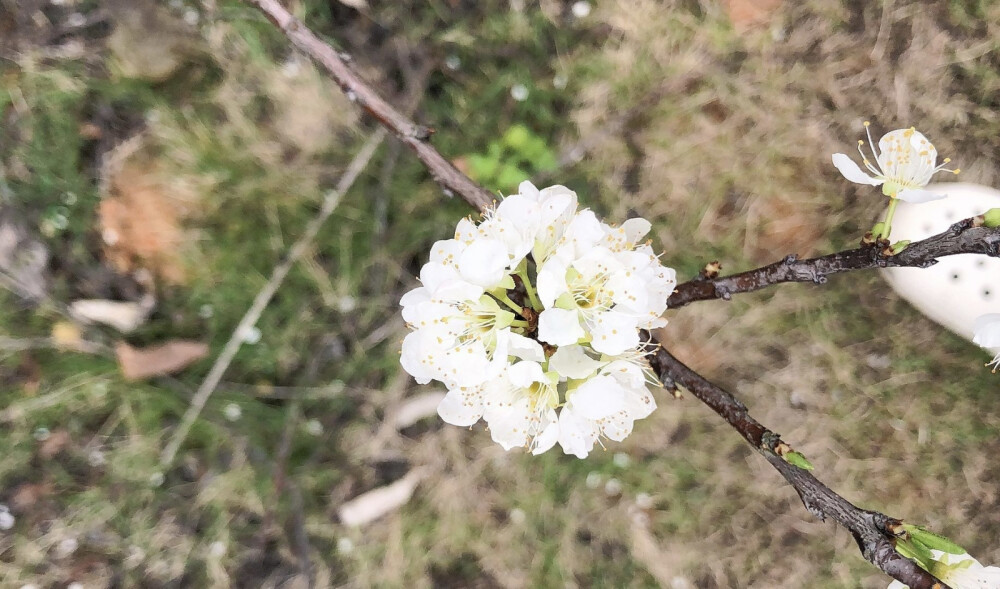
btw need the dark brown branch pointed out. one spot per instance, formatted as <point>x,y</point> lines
<point>870,529</point>
<point>960,238</point>
<point>358,91</point>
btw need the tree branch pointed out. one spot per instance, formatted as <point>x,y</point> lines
<point>871,529</point>
<point>961,238</point>
<point>417,137</point>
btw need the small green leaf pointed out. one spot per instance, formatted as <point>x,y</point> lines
<point>917,552</point>
<point>797,459</point>
<point>517,137</point>
<point>932,540</point>
<point>900,246</point>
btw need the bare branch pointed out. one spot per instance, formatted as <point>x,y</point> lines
<point>961,238</point>
<point>415,136</point>
<point>870,529</point>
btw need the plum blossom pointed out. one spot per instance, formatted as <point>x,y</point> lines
<point>904,163</point>
<point>960,571</point>
<point>560,364</point>
<point>987,335</point>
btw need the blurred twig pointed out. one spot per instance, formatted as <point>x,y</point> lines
<point>265,295</point>
<point>963,237</point>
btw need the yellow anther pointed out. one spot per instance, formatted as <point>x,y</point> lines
<point>947,159</point>
<point>867,123</point>
<point>956,171</point>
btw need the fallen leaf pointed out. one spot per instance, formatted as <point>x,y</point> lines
<point>140,222</point>
<point>54,444</point>
<point>416,408</point>
<point>171,357</point>
<point>746,14</point>
<point>125,316</point>
<point>370,506</point>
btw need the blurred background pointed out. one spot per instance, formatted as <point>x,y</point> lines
<point>158,159</point>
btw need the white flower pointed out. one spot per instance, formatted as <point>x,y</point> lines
<point>987,335</point>
<point>960,571</point>
<point>604,405</point>
<point>904,164</point>
<point>589,290</point>
<point>477,321</point>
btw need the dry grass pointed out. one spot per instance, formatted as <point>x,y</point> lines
<point>727,152</point>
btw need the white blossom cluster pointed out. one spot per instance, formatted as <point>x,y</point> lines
<point>531,319</point>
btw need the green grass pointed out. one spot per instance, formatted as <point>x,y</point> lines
<point>726,152</point>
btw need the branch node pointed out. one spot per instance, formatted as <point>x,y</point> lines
<point>790,259</point>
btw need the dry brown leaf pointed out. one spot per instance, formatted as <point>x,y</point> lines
<point>140,222</point>
<point>746,14</point>
<point>171,357</point>
<point>54,444</point>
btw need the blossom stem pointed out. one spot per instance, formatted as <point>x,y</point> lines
<point>519,323</point>
<point>530,289</point>
<point>503,298</point>
<point>887,223</point>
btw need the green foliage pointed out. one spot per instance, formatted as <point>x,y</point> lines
<point>515,157</point>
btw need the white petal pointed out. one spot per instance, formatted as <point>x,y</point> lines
<point>548,438</point>
<point>851,171</point>
<point>483,262</point>
<point>528,189</point>
<point>444,283</point>
<point>573,362</point>
<point>414,357</point>
<point>614,333</point>
<point>576,435</point>
<point>526,348</point>
<point>598,398</point>
<point>551,283</point>
<point>636,229</point>
<point>509,425</point>
<point>916,195</point>
<point>987,330</point>
<point>896,585</point>
<point>559,327</point>
<point>461,407</point>
<point>524,374</point>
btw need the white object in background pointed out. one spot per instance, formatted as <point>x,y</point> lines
<point>958,289</point>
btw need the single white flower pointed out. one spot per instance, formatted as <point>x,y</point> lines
<point>904,164</point>
<point>987,335</point>
<point>960,571</point>
<point>605,405</point>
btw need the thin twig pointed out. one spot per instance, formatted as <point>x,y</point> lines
<point>874,540</point>
<point>961,238</point>
<point>871,529</point>
<point>265,295</point>
<point>357,90</point>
